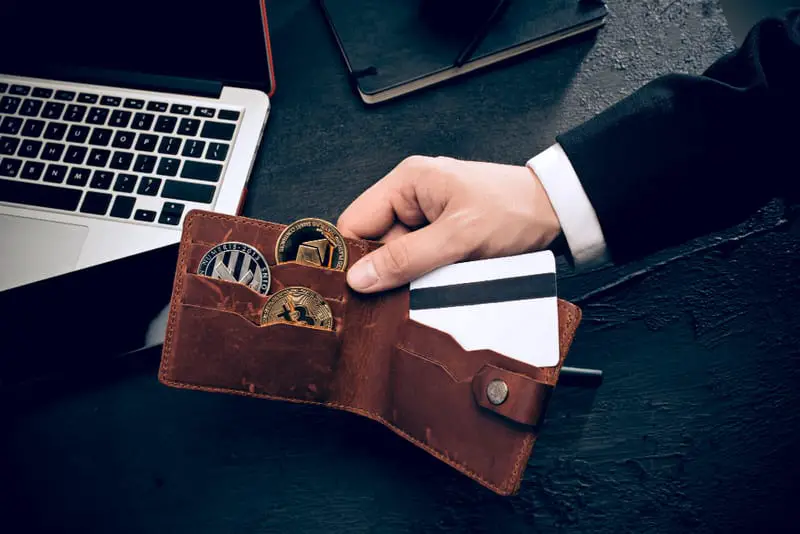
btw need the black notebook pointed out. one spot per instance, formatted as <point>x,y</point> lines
<point>394,47</point>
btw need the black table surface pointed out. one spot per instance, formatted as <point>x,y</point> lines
<point>694,428</point>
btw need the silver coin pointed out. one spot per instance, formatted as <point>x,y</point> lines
<point>239,263</point>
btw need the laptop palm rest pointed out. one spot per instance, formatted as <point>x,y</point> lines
<point>34,249</point>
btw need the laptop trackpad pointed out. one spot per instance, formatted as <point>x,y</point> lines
<point>33,249</point>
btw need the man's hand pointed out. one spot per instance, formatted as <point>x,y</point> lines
<point>436,211</point>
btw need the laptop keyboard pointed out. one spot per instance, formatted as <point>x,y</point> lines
<point>110,156</point>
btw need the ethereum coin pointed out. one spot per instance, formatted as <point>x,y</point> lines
<point>312,242</point>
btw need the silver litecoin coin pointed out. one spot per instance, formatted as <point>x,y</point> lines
<point>239,263</point>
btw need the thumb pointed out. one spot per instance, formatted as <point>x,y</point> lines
<point>406,258</point>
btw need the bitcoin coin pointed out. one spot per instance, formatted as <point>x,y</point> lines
<point>312,242</point>
<point>239,263</point>
<point>300,306</point>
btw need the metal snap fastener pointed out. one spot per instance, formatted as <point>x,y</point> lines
<point>497,391</point>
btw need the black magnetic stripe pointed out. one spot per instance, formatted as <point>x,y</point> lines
<point>533,286</point>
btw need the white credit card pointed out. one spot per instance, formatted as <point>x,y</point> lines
<point>507,305</point>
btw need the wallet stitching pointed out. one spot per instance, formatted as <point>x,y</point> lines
<point>438,364</point>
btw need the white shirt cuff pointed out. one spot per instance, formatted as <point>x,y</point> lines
<point>574,211</point>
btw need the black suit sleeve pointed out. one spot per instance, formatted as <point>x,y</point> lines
<point>686,155</point>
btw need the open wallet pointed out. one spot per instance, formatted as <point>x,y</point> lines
<point>376,362</point>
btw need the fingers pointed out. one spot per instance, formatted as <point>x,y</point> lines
<point>391,199</point>
<point>406,258</point>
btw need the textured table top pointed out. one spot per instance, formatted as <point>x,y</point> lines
<point>694,427</point>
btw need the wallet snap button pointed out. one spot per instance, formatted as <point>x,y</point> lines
<point>497,391</point>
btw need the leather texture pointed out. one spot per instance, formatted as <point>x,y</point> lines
<point>377,363</point>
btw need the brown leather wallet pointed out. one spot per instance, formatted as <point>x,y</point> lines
<point>413,379</point>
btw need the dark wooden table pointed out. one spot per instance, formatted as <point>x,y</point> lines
<point>694,429</point>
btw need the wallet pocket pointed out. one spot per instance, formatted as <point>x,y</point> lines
<point>213,293</point>
<point>439,397</point>
<point>220,350</point>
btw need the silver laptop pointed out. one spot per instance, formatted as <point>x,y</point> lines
<point>116,120</point>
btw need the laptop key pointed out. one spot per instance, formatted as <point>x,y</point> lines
<point>157,106</point>
<point>111,101</point>
<point>179,190</point>
<point>41,92</point>
<point>67,96</point>
<point>33,128</point>
<point>228,115</point>
<point>217,151</point>
<point>194,148</point>
<point>96,203</point>
<point>88,98</point>
<point>31,107</point>
<point>120,118</point>
<point>142,121</point>
<point>165,124</point>
<point>123,140</point>
<point>32,170</point>
<point>149,186</point>
<point>9,167</point>
<point>45,196</point>
<point>169,145</point>
<point>146,142</point>
<point>77,133</point>
<point>133,103</point>
<point>29,149</point>
<point>121,160</point>
<point>20,90</point>
<point>3,87</point>
<point>171,213</point>
<point>101,179</point>
<point>75,154</point>
<point>144,215</point>
<point>78,176</point>
<point>123,207</point>
<point>189,126</point>
<point>9,104</point>
<point>55,173</point>
<point>55,131</point>
<point>205,112</point>
<point>53,110</point>
<point>144,163</point>
<point>75,113</point>
<point>218,130</point>
<point>97,116</point>
<point>196,170</point>
<point>180,109</point>
<point>8,145</point>
<point>168,166</point>
<point>98,157</point>
<point>53,151</point>
<point>11,125</point>
<point>125,183</point>
<point>100,137</point>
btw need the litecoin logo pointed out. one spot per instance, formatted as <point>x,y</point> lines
<point>238,263</point>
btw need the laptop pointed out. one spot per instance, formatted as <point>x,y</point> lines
<point>117,119</point>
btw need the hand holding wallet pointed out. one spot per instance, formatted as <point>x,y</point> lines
<point>478,411</point>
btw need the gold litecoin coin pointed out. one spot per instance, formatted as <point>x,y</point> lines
<point>300,306</point>
<point>312,242</point>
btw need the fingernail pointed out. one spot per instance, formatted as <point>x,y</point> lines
<point>362,275</point>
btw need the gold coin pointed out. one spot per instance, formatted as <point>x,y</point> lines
<point>312,242</point>
<point>300,306</point>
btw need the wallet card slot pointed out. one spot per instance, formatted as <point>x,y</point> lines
<point>222,350</point>
<point>213,293</point>
<point>437,408</point>
<point>332,285</point>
